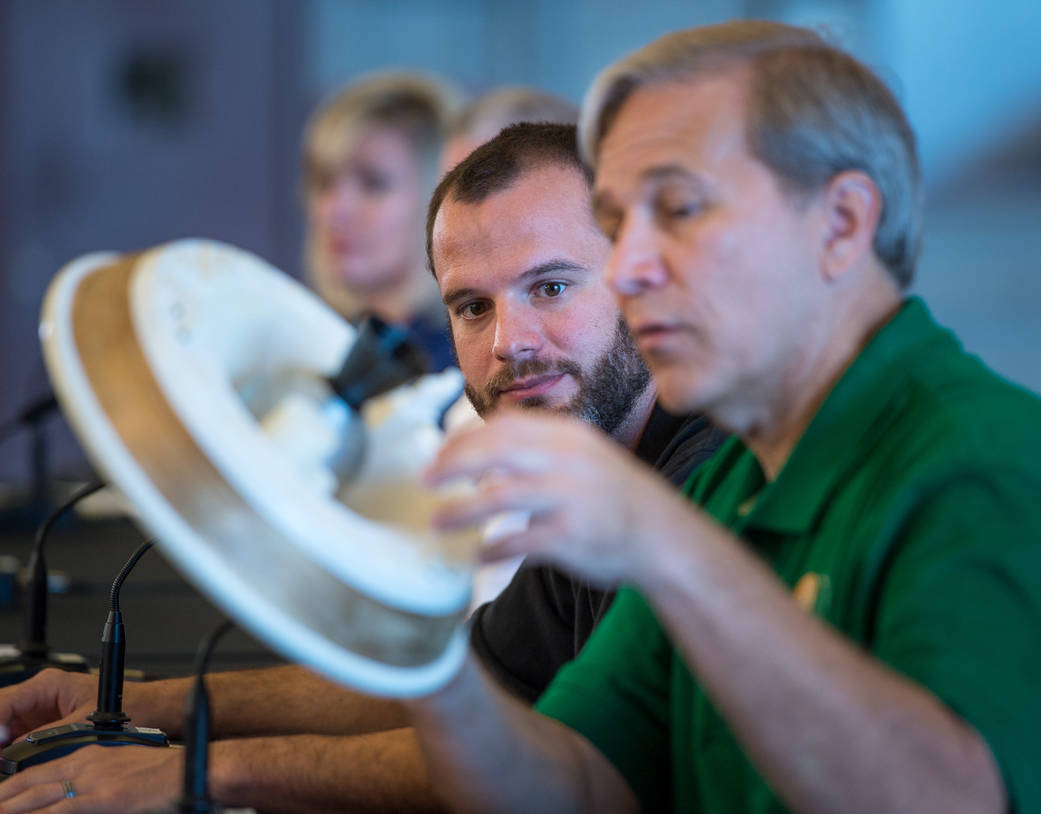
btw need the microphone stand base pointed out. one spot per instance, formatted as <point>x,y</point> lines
<point>49,744</point>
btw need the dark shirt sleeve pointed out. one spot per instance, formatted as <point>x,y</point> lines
<point>536,625</point>
<point>542,619</point>
<point>694,444</point>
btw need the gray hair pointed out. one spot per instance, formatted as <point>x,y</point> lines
<point>813,111</point>
<point>499,108</point>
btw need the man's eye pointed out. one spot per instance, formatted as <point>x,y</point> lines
<point>471,310</point>
<point>678,209</point>
<point>552,289</point>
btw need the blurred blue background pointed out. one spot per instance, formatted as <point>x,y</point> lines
<point>126,123</point>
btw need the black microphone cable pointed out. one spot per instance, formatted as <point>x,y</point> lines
<point>28,416</point>
<point>35,644</point>
<point>195,797</point>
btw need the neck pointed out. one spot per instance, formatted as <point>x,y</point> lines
<point>629,431</point>
<point>783,415</point>
<point>401,301</point>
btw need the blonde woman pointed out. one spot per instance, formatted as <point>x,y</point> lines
<point>370,157</point>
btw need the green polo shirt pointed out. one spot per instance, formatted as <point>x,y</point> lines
<point>913,500</point>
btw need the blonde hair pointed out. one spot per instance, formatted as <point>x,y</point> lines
<point>419,107</point>
<point>813,112</point>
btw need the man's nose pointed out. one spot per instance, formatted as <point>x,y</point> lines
<point>518,333</point>
<point>635,264</point>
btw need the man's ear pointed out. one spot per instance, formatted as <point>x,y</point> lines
<point>852,206</point>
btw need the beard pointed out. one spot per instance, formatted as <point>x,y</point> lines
<point>607,392</point>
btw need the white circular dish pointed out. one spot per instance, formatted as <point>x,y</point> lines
<point>148,354</point>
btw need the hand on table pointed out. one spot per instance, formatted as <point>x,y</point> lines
<point>102,780</point>
<point>50,698</point>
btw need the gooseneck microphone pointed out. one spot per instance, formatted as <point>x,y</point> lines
<point>109,713</point>
<point>35,644</point>
<point>195,791</point>
<point>34,653</point>
<point>108,723</point>
<point>195,794</point>
<point>29,416</point>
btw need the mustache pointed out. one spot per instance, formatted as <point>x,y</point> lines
<point>526,369</point>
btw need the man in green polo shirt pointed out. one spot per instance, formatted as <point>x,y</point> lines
<point>844,612</point>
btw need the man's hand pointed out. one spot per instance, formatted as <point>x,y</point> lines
<point>51,697</point>
<point>105,779</point>
<point>592,504</point>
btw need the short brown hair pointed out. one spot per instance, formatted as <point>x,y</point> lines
<point>498,163</point>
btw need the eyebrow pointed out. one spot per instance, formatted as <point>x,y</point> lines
<point>666,171</point>
<point>549,267</point>
<point>603,200</point>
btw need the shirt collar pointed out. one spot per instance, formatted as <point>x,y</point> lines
<point>849,421</point>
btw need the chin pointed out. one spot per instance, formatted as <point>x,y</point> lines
<point>351,274</point>
<point>677,389</point>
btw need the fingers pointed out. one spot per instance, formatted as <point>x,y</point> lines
<point>77,717</point>
<point>95,779</point>
<point>45,797</point>
<point>30,789</point>
<point>472,454</point>
<point>22,708</point>
<point>41,700</point>
<point>533,542</point>
<point>492,497</point>
<point>512,442</point>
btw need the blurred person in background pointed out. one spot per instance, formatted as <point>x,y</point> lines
<point>485,116</point>
<point>521,263</point>
<point>370,163</point>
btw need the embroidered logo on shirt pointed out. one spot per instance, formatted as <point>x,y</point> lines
<point>746,506</point>
<point>810,589</point>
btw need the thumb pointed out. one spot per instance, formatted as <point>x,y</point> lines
<point>77,717</point>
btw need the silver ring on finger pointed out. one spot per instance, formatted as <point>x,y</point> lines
<point>68,789</point>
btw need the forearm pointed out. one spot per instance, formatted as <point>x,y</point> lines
<point>490,752</point>
<point>270,701</point>
<point>827,725</point>
<point>382,771</point>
